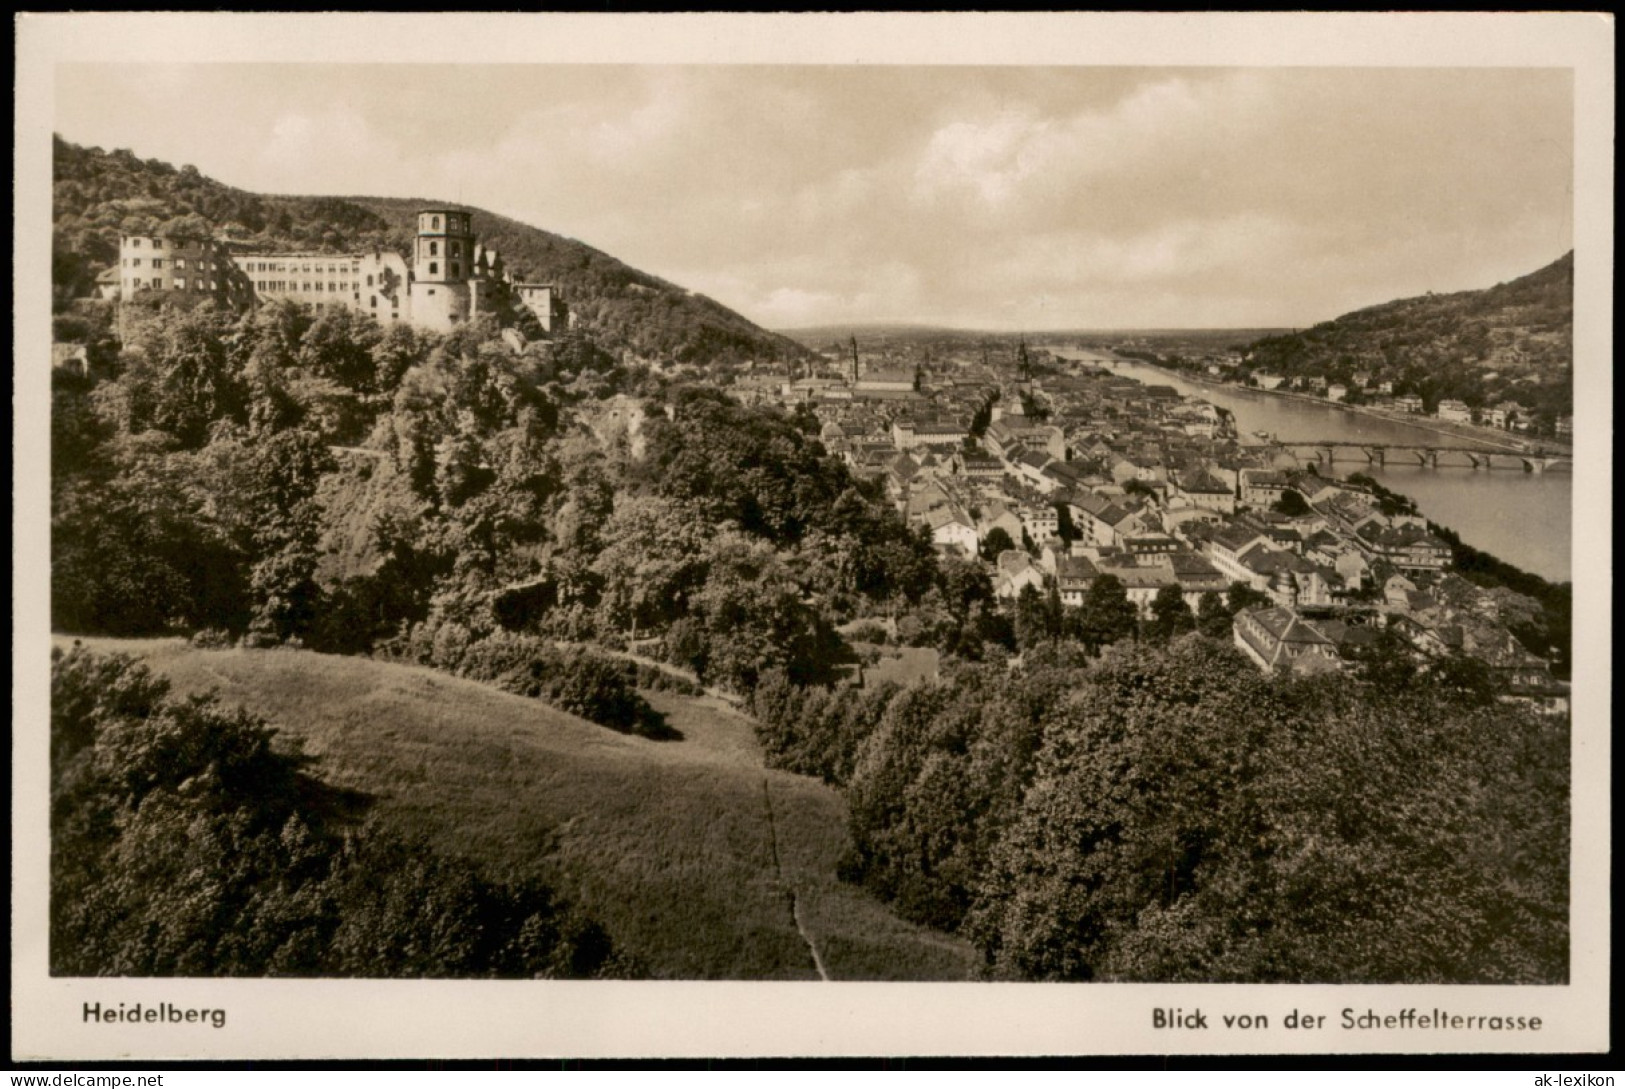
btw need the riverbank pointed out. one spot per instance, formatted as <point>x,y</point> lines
<point>1524,518</point>
<point>1493,438</point>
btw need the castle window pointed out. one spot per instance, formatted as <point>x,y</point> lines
<point>375,302</point>
<point>456,249</point>
<point>434,223</point>
<point>180,262</point>
<point>157,243</point>
<point>456,270</point>
<point>157,262</point>
<point>434,249</point>
<point>135,262</point>
<point>136,243</point>
<point>434,270</point>
<point>369,281</point>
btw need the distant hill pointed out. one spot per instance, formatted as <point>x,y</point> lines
<point>813,335</point>
<point>98,194</point>
<point>1513,341</point>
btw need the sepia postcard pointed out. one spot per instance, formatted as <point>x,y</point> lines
<point>596,536</point>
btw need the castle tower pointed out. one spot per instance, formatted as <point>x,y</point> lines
<point>442,262</point>
<point>445,247</point>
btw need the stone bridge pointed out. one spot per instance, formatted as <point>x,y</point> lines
<point>1432,455</point>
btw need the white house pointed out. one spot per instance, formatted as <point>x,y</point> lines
<point>952,527</point>
<point>1454,412</point>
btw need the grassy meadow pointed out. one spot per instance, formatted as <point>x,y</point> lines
<point>670,844</point>
<point>904,666</point>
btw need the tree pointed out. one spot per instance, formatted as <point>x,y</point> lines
<point>1037,617</point>
<point>983,416</point>
<point>997,541</point>
<point>1139,487</point>
<point>1292,504</point>
<point>341,345</point>
<point>1107,615</point>
<point>964,584</point>
<point>1170,615</point>
<point>180,380</point>
<point>652,563</point>
<point>1212,618</point>
<point>749,618</point>
<point>1065,528</point>
<point>1242,597</point>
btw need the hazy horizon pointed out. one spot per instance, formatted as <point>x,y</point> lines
<point>993,199</point>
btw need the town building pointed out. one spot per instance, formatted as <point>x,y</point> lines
<point>1015,571</point>
<point>1277,639</point>
<point>1407,547</point>
<point>1454,412</point>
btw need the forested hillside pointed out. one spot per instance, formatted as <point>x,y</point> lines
<point>98,194</point>
<point>1171,814</point>
<point>1513,341</point>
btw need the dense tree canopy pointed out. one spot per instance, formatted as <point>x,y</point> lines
<point>1173,814</point>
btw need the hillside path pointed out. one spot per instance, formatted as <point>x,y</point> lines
<point>653,663</point>
<point>790,892</point>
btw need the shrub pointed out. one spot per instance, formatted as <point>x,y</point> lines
<point>869,632</point>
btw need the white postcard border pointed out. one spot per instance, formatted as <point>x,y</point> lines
<point>276,1019</point>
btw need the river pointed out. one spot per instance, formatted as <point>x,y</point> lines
<point>1522,518</point>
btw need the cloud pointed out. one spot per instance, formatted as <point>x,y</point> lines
<point>983,197</point>
<point>788,307</point>
<point>989,159</point>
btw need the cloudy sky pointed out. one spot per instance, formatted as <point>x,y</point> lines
<point>994,198</point>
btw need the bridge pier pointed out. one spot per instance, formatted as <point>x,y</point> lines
<point>1325,454</point>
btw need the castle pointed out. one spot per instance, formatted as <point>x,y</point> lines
<point>451,279</point>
